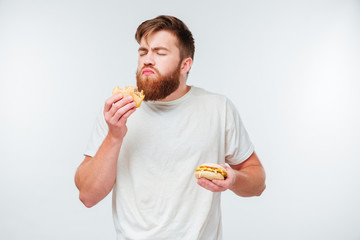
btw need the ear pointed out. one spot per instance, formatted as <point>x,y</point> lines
<point>186,65</point>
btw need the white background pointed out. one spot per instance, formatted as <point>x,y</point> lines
<point>290,67</point>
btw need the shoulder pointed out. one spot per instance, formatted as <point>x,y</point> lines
<point>204,97</point>
<point>208,97</point>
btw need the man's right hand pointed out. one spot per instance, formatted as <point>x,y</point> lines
<point>116,112</point>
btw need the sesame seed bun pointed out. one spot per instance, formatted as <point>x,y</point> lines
<point>208,175</point>
<point>203,171</point>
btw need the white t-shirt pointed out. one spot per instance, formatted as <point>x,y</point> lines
<point>156,195</point>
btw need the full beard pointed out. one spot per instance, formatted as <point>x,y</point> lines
<point>157,86</point>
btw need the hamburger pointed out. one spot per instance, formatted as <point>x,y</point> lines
<point>211,171</point>
<point>131,91</point>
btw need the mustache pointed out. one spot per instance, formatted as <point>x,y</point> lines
<point>150,67</point>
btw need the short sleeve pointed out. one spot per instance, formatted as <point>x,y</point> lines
<point>97,136</point>
<point>238,146</point>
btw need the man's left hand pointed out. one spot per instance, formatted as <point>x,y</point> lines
<point>219,185</point>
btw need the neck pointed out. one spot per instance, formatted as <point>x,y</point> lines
<point>178,93</point>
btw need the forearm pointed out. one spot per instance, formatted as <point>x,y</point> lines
<point>96,176</point>
<point>249,181</point>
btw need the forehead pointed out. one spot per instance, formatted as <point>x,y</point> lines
<point>160,39</point>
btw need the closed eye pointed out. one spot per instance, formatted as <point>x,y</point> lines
<point>142,53</point>
<point>162,51</point>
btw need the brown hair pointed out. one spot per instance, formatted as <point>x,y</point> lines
<point>173,25</point>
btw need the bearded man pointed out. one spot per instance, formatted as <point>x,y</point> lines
<point>147,158</point>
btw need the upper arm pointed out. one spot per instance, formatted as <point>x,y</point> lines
<point>238,145</point>
<point>252,176</point>
<point>252,161</point>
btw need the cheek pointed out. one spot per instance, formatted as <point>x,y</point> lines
<point>167,66</point>
<point>140,63</point>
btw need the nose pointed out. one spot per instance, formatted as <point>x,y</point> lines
<point>149,60</point>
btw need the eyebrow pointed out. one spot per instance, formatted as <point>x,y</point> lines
<point>154,49</point>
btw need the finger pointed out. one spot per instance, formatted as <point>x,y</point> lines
<point>119,104</point>
<point>221,183</point>
<point>228,170</point>
<point>207,184</point>
<point>226,167</point>
<point>109,102</point>
<point>124,118</point>
<point>121,111</point>
<point>214,188</point>
<point>128,113</point>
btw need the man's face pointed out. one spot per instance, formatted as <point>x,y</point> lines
<point>158,73</point>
